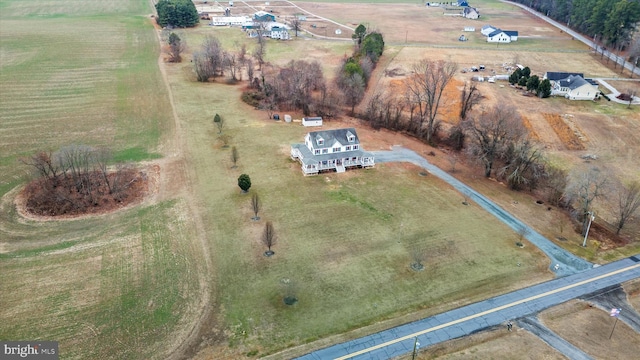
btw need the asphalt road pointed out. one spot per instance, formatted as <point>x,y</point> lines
<point>568,263</point>
<point>481,315</point>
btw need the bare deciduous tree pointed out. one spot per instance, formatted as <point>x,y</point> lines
<point>628,197</point>
<point>469,97</point>
<point>523,165</point>
<point>250,71</point>
<point>490,132</point>
<point>232,64</point>
<point>555,182</point>
<point>255,206</point>
<point>425,88</point>
<point>634,54</point>
<point>269,237</point>
<point>208,62</point>
<point>419,256</point>
<point>583,189</point>
<point>44,164</point>
<point>632,94</point>
<point>296,24</point>
<point>260,51</point>
<point>234,156</point>
<point>453,160</point>
<point>353,90</point>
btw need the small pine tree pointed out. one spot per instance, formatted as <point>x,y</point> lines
<point>244,182</point>
<point>544,89</point>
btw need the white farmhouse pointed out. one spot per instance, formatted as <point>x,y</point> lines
<point>502,36</point>
<point>331,150</point>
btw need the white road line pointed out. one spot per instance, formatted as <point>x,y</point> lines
<point>502,307</point>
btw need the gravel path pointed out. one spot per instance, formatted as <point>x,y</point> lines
<point>562,262</point>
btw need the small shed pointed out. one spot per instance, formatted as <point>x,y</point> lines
<point>312,121</point>
<point>287,118</point>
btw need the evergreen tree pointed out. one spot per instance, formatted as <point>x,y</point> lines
<point>544,89</point>
<point>533,83</point>
<point>372,46</point>
<point>359,34</point>
<point>177,13</point>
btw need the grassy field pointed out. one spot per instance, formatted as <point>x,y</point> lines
<point>130,284</point>
<point>345,241</point>
<point>117,286</point>
<point>61,86</point>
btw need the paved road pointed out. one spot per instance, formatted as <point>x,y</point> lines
<point>568,263</point>
<point>475,317</point>
<point>576,35</point>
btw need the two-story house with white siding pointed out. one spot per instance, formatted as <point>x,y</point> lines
<point>331,150</point>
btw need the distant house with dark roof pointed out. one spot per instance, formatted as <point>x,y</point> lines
<point>502,36</point>
<point>555,76</point>
<point>331,150</point>
<point>470,13</point>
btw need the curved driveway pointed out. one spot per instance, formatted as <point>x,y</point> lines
<point>568,263</point>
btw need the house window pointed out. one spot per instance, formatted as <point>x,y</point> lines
<point>355,147</point>
<point>317,152</point>
<point>325,151</point>
<point>336,149</point>
<point>348,148</point>
<point>320,142</point>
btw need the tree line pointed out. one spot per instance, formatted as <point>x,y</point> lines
<point>177,13</point>
<point>611,21</point>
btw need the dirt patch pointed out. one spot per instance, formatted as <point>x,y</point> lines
<point>566,131</point>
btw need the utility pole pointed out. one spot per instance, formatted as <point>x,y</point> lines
<point>416,345</point>
<point>591,218</point>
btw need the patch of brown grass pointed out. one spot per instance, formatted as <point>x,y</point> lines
<point>567,135</point>
<point>527,125</point>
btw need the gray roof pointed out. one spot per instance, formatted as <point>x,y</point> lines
<point>573,82</point>
<point>310,159</point>
<point>555,76</point>
<point>330,136</point>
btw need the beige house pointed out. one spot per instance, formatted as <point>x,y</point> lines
<point>575,87</point>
